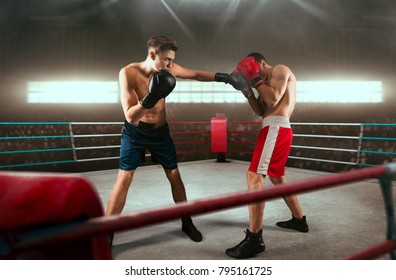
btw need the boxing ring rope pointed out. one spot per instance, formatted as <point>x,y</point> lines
<point>359,138</point>
<point>102,225</point>
<point>71,135</point>
<point>201,141</point>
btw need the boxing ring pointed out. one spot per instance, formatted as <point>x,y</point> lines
<point>361,134</point>
<point>72,142</point>
<point>351,144</point>
<point>88,227</point>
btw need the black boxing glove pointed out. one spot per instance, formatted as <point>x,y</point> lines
<point>160,86</point>
<point>235,79</point>
<point>222,77</point>
<point>238,81</point>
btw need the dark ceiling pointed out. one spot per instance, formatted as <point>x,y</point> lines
<point>192,13</point>
<point>357,35</point>
<point>318,39</point>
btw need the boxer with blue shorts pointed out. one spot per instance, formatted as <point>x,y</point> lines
<point>144,87</point>
<point>135,139</point>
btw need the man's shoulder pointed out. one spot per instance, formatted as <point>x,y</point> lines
<point>282,70</point>
<point>131,70</point>
<point>281,67</point>
<point>131,67</point>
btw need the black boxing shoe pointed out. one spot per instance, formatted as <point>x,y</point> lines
<point>190,230</point>
<point>296,224</point>
<point>252,245</point>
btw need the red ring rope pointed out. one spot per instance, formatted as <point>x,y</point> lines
<point>102,225</point>
<point>374,251</point>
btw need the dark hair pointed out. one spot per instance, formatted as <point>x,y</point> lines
<point>162,43</point>
<point>257,56</point>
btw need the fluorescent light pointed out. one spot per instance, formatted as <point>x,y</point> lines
<point>339,92</point>
<point>307,92</point>
<point>188,91</point>
<point>72,92</point>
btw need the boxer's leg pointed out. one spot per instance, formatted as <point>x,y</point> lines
<point>253,243</point>
<point>298,221</point>
<point>178,189</point>
<point>118,195</point>
<point>119,192</point>
<point>256,210</point>
<point>179,195</point>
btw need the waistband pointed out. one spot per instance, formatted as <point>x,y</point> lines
<point>146,125</point>
<point>276,121</point>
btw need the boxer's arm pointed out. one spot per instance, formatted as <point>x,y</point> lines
<point>254,103</point>
<point>278,84</point>
<point>185,73</point>
<point>133,110</point>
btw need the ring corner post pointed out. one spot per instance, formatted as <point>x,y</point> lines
<point>386,188</point>
<point>219,136</point>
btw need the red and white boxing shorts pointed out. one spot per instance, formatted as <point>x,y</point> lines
<point>272,147</point>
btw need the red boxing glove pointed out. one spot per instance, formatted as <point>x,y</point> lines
<point>236,71</point>
<point>250,68</point>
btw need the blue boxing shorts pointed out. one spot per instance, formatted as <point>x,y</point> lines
<point>135,139</point>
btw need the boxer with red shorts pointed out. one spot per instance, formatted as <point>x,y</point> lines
<point>275,102</point>
<point>273,147</point>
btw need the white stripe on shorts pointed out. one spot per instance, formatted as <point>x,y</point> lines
<point>276,120</point>
<point>268,149</point>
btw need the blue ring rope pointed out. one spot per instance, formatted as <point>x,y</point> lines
<point>377,152</point>
<point>379,138</point>
<point>364,164</point>
<point>73,161</point>
<point>379,124</point>
<point>34,137</point>
<point>35,151</point>
<point>36,163</point>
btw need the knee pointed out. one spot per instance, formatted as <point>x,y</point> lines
<point>276,180</point>
<point>125,177</point>
<point>172,173</point>
<point>254,180</point>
